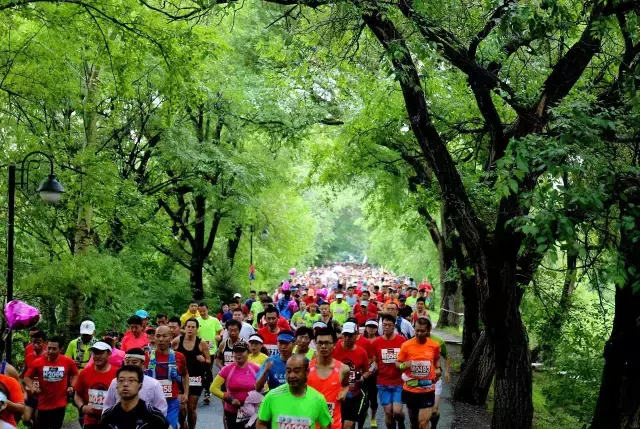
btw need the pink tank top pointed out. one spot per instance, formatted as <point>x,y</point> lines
<point>330,388</point>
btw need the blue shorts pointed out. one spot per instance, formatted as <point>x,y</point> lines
<point>173,410</point>
<point>389,394</point>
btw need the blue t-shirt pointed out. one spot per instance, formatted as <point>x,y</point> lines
<point>351,300</point>
<point>277,375</point>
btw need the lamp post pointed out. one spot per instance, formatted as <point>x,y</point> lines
<point>50,191</point>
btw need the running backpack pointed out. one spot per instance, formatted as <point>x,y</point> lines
<point>172,367</point>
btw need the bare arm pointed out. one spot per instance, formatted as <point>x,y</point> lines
<point>261,424</point>
<point>175,343</point>
<point>204,348</point>
<point>344,378</point>
<point>261,381</point>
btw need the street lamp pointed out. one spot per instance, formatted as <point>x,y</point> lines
<point>50,191</point>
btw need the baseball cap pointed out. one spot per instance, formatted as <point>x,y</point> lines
<point>100,345</point>
<point>349,328</point>
<point>240,346</point>
<point>371,322</point>
<point>237,295</point>
<point>87,328</point>
<point>402,298</point>
<point>339,295</point>
<point>286,337</point>
<point>142,313</point>
<point>364,303</point>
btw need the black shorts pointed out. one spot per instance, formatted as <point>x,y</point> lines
<point>418,401</point>
<point>195,391</point>
<point>31,402</point>
<point>352,408</point>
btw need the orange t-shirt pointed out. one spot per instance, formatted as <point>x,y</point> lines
<point>420,360</point>
<point>330,388</point>
<point>14,395</point>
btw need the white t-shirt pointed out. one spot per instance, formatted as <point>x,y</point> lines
<point>246,331</point>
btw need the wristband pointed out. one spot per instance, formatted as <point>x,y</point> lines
<point>403,366</point>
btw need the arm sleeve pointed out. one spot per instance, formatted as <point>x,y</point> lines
<point>264,412</point>
<point>216,387</point>
<point>110,399</point>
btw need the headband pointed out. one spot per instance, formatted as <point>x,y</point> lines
<point>287,338</point>
<point>141,357</point>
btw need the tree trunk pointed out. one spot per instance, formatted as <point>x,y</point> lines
<point>196,278</point>
<point>471,322</point>
<point>451,299</point>
<point>618,403</point>
<point>233,244</point>
<point>477,374</point>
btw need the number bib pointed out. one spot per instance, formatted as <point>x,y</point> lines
<point>289,422</point>
<point>420,368</point>
<point>96,398</point>
<point>195,381</point>
<point>332,407</point>
<point>53,373</point>
<point>273,349</point>
<point>389,355</point>
<point>167,388</point>
<point>228,358</point>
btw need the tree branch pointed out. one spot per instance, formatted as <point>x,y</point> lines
<point>490,25</point>
<point>177,221</point>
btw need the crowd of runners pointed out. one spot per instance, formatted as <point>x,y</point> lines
<point>324,349</point>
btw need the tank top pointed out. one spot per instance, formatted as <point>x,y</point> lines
<point>194,367</point>
<point>227,352</point>
<point>330,388</point>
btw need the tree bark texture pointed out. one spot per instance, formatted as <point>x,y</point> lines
<point>477,374</point>
<point>450,290</point>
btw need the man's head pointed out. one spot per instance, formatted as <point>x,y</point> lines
<point>339,297</point>
<point>262,296</point>
<point>129,381</point>
<point>238,314</point>
<point>193,307</point>
<point>101,352</point>
<point>324,309</point>
<point>304,336</point>
<point>350,290</point>
<point>349,331</point>
<point>420,304</point>
<point>163,338</point>
<point>286,341</point>
<point>233,329</point>
<point>225,308</point>
<point>203,309</point>
<point>366,295</point>
<point>135,357</point>
<point>388,324</point>
<point>422,328</point>
<point>191,327</point>
<point>392,309</point>
<point>364,307</point>
<point>403,300</point>
<point>53,348</point>
<point>162,319</point>
<point>144,315</point>
<point>174,327</point>
<point>87,330</point>
<point>271,316</point>
<point>297,371</point>
<point>135,325</point>
<point>252,295</point>
<point>237,298</point>
<point>38,339</point>
<point>325,341</point>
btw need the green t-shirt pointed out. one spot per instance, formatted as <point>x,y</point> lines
<point>309,320</point>
<point>208,330</point>
<point>297,318</point>
<point>340,311</point>
<point>411,302</point>
<point>72,351</point>
<point>256,308</point>
<point>443,345</point>
<point>286,411</point>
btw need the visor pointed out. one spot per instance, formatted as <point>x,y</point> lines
<point>287,338</point>
<point>256,338</point>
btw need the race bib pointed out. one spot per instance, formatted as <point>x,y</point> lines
<point>53,373</point>
<point>96,398</point>
<point>338,310</point>
<point>289,422</point>
<point>420,368</point>
<point>228,358</point>
<point>352,378</point>
<point>167,388</point>
<point>241,416</point>
<point>389,355</point>
<point>195,381</point>
<point>273,349</point>
<point>331,406</point>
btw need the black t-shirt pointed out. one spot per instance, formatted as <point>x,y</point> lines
<point>405,312</point>
<point>143,416</point>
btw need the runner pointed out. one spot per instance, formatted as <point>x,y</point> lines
<point>294,404</point>
<point>135,337</point>
<point>38,340</point>
<point>175,327</point>
<point>325,314</point>
<point>271,331</point>
<point>210,330</point>
<point>131,411</point>
<point>412,299</point>
<point>192,312</point>
<point>57,375</point>
<point>78,349</point>
<point>170,369</point>
<point>304,336</point>
<point>196,352</point>
<point>151,391</point>
<point>357,359</point>
<point>419,358</point>
<point>372,307</point>
<point>225,353</point>
<point>12,401</point>
<point>403,326</point>
<point>329,376</point>
<point>162,319</point>
<point>257,351</point>
<point>144,315</point>
<point>311,316</point>
<point>273,370</point>
<point>92,385</point>
<point>297,320</point>
<point>239,379</point>
<point>404,310</point>
<point>340,310</point>
<point>371,330</point>
<point>246,330</point>
<point>421,310</point>
<point>258,307</point>
<point>444,354</point>
<point>363,314</point>
<point>387,347</point>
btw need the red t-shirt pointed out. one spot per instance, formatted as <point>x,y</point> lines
<point>362,318</point>
<point>363,343</point>
<point>309,299</point>
<point>29,359</point>
<point>356,359</point>
<point>130,342</point>
<point>54,380</point>
<point>15,395</point>
<point>283,324</point>
<point>28,349</point>
<point>386,357</point>
<point>162,370</point>
<point>270,340</point>
<point>92,386</point>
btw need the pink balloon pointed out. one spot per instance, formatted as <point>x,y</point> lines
<point>20,315</point>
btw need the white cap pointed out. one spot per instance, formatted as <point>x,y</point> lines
<point>100,345</point>
<point>349,328</point>
<point>237,295</point>
<point>257,338</point>
<point>364,303</point>
<point>339,295</point>
<point>87,328</point>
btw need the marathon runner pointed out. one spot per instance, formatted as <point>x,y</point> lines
<point>135,337</point>
<point>356,358</point>
<point>38,340</point>
<point>170,369</point>
<point>304,336</point>
<point>294,405</point>
<point>196,352</point>
<point>419,358</point>
<point>57,375</point>
<point>210,330</point>
<point>151,391</point>
<point>225,352</point>
<point>78,349</point>
<point>257,351</point>
<point>329,376</point>
<point>421,310</point>
<point>340,310</point>
<point>12,400</point>
<point>162,320</point>
<point>246,330</point>
<point>273,370</point>
<point>175,328</point>
<point>92,385</point>
<point>191,313</point>
<point>403,326</point>
<point>387,347</point>
<point>311,316</point>
<point>270,332</point>
<point>325,314</point>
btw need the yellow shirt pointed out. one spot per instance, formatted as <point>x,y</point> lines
<point>186,316</point>
<point>258,359</point>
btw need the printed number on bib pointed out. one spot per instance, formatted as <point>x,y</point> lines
<point>228,358</point>
<point>332,407</point>
<point>273,350</point>
<point>53,373</point>
<point>195,381</point>
<point>420,368</point>
<point>167,388</point>
<point>288,422</point>
<point>389,355</point>
<point>96,398</point>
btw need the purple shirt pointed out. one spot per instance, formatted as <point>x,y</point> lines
<point>151,393</point>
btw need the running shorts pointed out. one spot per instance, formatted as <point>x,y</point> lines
<point>419,401</point>
<point>352,407</point>
<point>389,395</point>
